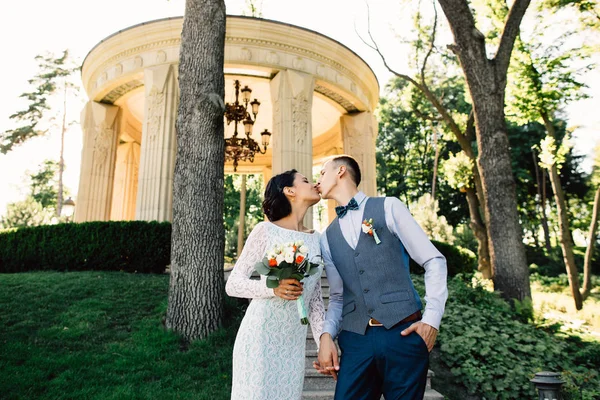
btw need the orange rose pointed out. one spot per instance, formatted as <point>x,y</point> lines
<point>299,259</point>
<point>272,262</point>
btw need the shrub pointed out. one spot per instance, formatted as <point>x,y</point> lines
<point>459,260</point>
<point>553,265</point>
<point>494,354</point>
<point>131,246</point>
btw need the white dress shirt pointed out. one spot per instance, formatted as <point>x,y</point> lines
<point>401,224</point>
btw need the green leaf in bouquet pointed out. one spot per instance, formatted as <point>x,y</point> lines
<point>313,269</point>
<point>297,275</point>
<point>262,269</point>
<point>286,273</point>
<point>272,282</point>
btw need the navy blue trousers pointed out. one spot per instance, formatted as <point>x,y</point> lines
<point>382,362</point>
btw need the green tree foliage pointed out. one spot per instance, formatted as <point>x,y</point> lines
<point>52,75</point>
<point>405,151</point>
<point>231,205</point>
<point>39,206</point>
<point>44,185</point>
<point>588,10</point>
<point>25,213</point>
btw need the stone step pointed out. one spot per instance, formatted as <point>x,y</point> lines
<point>318,394</point>
<point>316,381</point>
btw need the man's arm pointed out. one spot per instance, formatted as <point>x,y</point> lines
<point>402,224</point>
<point>328,355</point>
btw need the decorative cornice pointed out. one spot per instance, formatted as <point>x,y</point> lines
<point>120,91</point>
<point>338,98</point>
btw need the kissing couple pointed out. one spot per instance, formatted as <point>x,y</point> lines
<point>384,333</point>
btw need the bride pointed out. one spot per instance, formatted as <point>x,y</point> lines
<point>269,350</point>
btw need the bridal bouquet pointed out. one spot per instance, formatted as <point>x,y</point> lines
<point>288,260</point>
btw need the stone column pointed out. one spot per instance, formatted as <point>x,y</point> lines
<point>99,124</point>
<point>267,174</point>
<point>159,145</point>
<point>292,94</point>
<point>126,181</point>
<point>359,132</point>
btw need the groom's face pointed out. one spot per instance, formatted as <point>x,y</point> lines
<point>327,179</point>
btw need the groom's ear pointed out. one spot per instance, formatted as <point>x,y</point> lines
<point>341,170</point>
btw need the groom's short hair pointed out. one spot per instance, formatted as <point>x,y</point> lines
<point>351,166</point>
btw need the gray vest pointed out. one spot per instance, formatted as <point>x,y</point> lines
<point>376,277</point>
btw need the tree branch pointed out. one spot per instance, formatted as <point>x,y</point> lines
<point>509,35</point>
<point>433,34</point>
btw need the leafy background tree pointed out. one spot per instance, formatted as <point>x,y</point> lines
<point>39,205</point>
<point>231,207</point>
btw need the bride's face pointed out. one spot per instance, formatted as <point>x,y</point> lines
<point>305,190</point>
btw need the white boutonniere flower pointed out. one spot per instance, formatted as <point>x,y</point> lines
<point>367,227</point>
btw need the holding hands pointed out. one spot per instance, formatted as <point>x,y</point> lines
<point>328,363</point>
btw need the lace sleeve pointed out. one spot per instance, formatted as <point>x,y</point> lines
<point>316,313</point>
<point>239,283</point>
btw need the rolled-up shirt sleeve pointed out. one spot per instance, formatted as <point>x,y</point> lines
<point>402,224</point>
<point>333,318</point>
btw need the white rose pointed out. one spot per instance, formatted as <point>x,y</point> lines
<point>289,258</point>
<point>299,243</point>
<point>279,258</point>
<point>366,228</point>
<point>303,249</point>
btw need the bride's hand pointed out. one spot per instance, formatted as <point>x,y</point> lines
<point>288,289</point>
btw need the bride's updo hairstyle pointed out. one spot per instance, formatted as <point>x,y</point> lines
<point>276,205</point>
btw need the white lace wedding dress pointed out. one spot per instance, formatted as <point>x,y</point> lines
<point>269,350</point>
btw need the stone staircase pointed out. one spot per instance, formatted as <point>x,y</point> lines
<point>322,387</point>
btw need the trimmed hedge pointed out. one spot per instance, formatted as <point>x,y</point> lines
<point>459,260</point>
<point>131,246</point>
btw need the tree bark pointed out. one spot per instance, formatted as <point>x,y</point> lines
<point>486,80</point>
<point>541,191</point>
<point>587,266</point>
<point>196,290</point>
<point>478,227</point>
<point>566,242</point>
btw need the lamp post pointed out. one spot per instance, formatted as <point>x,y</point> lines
<point>68,208</point>
<point>243,148</point>
<point>548,385</point>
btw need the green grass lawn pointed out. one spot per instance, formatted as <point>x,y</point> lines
<point>99,335</point>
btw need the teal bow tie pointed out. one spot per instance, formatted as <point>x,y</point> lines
<point>342,210</point>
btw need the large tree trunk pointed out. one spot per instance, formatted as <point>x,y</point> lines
<point>486,80</point>
<point>196,289</point>
<point>587,266</point>
<point>566,242</point>
<point>478,227</point>
<point>541,191</point>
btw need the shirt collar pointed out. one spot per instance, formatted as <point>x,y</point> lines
<point>360,197</point>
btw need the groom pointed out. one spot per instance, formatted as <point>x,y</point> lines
<point>374,309</point>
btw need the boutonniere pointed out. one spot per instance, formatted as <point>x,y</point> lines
<point>367,227</point>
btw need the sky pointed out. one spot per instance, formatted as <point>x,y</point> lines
<point>32,27</point>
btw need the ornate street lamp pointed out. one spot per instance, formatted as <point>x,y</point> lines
<point>243,148</point>
<point>68,208</point>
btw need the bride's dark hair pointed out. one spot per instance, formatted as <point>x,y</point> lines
<point>276,205</point>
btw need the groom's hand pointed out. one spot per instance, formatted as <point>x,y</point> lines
<point>427,332</point>
<point>328,357</point>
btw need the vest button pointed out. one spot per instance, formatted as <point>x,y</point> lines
<point>366,290</point>
<point>362,271</point>
<point>356,254</point>
<point>371,311</point>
